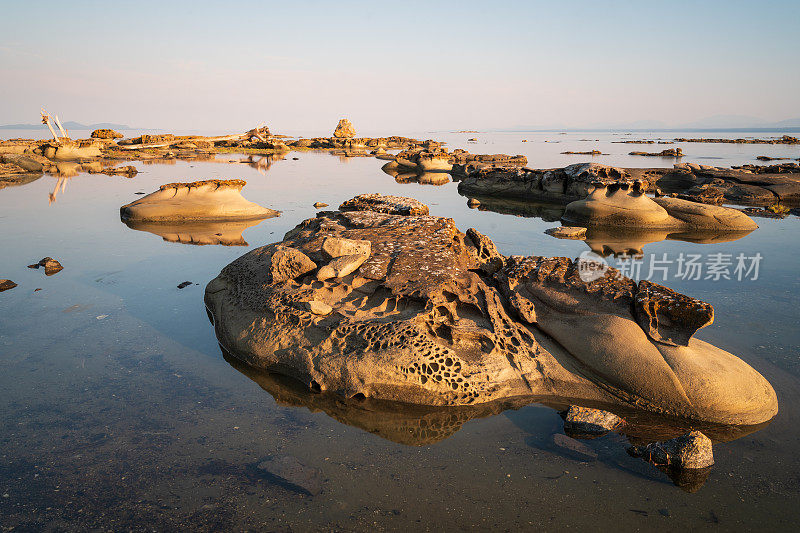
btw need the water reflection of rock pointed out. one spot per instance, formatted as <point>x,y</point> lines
<point>225,233</point>
<point>607,241</point>
<point>423,178</point>
<point>261,163</point>
<point>16,180</point>
<point>419,425</point>
<point>549,212</point>
<point>414,425</point>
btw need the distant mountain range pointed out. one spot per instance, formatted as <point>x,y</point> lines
<point>70,125</point>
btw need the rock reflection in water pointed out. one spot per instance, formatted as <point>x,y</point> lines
<point>424,178</point>
<point>547,211</point>
<point>225,233</point>
<point>608,241</point>
<point>605,241</point>
<point>419,425</point>
<point>414,425</point>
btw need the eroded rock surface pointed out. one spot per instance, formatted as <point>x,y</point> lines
<point>200,200</point>
<point>745,185</point>
<point>436,317</point>
<point>380,203</point>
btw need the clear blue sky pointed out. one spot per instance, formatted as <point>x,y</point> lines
<point>398,66</point>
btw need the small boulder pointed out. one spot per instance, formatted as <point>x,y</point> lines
<point>289,263</point>
<point>690,451</point>
<point>585,421</point>
<point>335,247</point>
<point>6,284</point>
<point>341,266</point>
<point>344,130</point>
<point>567,232</point>
<point>51,266</point>
<point>320,204</point>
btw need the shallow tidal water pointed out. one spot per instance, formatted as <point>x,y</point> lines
<point>119,411</point>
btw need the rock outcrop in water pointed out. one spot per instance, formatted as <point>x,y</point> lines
<point>625,205</point>
<point>211,200</point>
<point>437,317</point>
<point>106,133</point>
<point>746,185</point>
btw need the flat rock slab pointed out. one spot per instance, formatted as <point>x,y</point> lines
<point>567,232</point>
<point>289,470</point>
<point>585,421</point>
<point>6,284</point>
<point>379,203</point>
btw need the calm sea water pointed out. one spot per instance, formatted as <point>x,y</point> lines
<point>120,412</point>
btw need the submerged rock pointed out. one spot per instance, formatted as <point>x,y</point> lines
<point>200,200</point>
<point>290,470</point>
<point>591,422</point>
<point>437,317</point>
<point>572,448</point>
<point>6,284</point>
<point>567,232</point>
<point>51,266</point>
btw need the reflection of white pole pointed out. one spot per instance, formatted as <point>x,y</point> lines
<point>58,123</point>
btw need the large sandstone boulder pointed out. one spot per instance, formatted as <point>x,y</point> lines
<point>211,200</point>
<point>625,205</point>
<point>436,317</point>
<point>344,130</point>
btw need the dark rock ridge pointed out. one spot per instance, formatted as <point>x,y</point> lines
<point>786,139</point>
<point>671,152</point>
<point>746,185</point>
<point>433,316</point>
<point>106,134</point>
